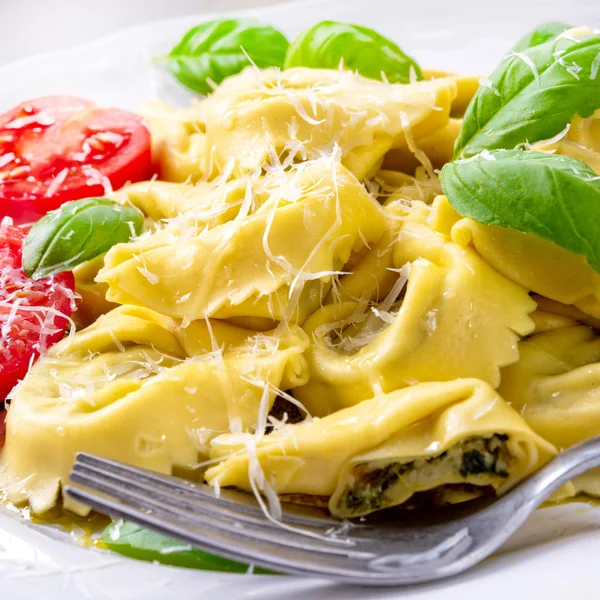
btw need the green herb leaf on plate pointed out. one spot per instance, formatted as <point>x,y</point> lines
<point>361,49</point>
<point>77,232</point>
<point>540,34</point>
<point>555,197</point>
<point>533,95</point>
<point>138,542</point>
<point>212,51</point>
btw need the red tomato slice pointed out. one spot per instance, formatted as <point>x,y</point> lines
<point>33,314</point>
<point>61,148</point>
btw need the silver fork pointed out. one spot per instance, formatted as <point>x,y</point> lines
<point>384,551</point>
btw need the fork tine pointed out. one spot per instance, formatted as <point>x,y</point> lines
<point>143,491</point>
<point>238,501</point>
<point>182,509</point>
<point>294,559</point>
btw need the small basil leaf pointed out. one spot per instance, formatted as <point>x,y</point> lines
<point>135,541</point>
<point>542,33</point>
<point>77,232</point>
<point>212,51</point>
<point>555,197</point>
<point>361,49</point>
<point>533,95</point>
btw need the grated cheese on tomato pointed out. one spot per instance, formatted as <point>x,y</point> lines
<point>34,315</point>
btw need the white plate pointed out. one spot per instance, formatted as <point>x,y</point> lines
<point>553,556</point>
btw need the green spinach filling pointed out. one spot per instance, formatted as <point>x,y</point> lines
<point>469,459</point>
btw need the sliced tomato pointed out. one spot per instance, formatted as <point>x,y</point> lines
<point>61,148</point>
<point>33,314</point>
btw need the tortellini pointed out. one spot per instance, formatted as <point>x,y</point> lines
<point>196,207</point>
<point>395,185</point>
<point>451,439</point>
<point>550,315</point>
<point>206,203</point>
<point>556,384</point>
<point>457,318</point>
<point>275,260</point>
<point>581,141</point>
<point>297,246</point>
<point>371,275</point>
<point>256,118</point>
<point>93,302</point>
<point>178,141</point>
<point>527,259</point>
<point>466,87</point>
<point>437,147</point>
<point>137,387</point>
<point>556,387</point>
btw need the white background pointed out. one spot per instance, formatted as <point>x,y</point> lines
<point>30,27</point>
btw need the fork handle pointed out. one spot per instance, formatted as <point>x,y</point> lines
<point>568,464</point>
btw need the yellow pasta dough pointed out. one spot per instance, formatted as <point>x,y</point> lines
<point>275,262</point>
<point>457,318</point>
<point>93,301</point>
<point>395,185</point>
<point>527,259</point>
<point>380,452</point>
<point>207,203</point>
<point>556,387</point>
<point>466,87</point>
<point>437,147</point>
<point>580,141</point>
<point>299,114</point>
<point>178,141</point>
<point>138,388</point>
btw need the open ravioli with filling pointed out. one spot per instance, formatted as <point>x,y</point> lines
<point>455,440</point>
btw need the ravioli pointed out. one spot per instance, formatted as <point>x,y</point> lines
<point>454,440</point>
<point>395,185</point>
<point>456,317</point>
<point>580,141</point>
<point>370,275</point>
<point>205,203</point>
<point>275,260</point>
<point>527,259</point>
<point>178,141</point>
<point>259,118</point>
<point>437,147</point>
<point>138,388</point>
<point>93,301</point>
<point>556,386</point>
<point>466,87</point>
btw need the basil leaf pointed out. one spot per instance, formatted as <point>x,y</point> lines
<point>77,232</point>
<point>217,49</point>
<point>542,33</point>
<point>555,197</point>
<point>533,95</point>
<point>138,542</point>
<point>361,49</point>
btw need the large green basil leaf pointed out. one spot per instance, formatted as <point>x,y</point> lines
<point>138,542</point>
<point>555,197</point>
<point>76,232</point>
<point>210,52</point>
<point>540,34</point>
<point>532,95</point>
<point>327,44</point>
